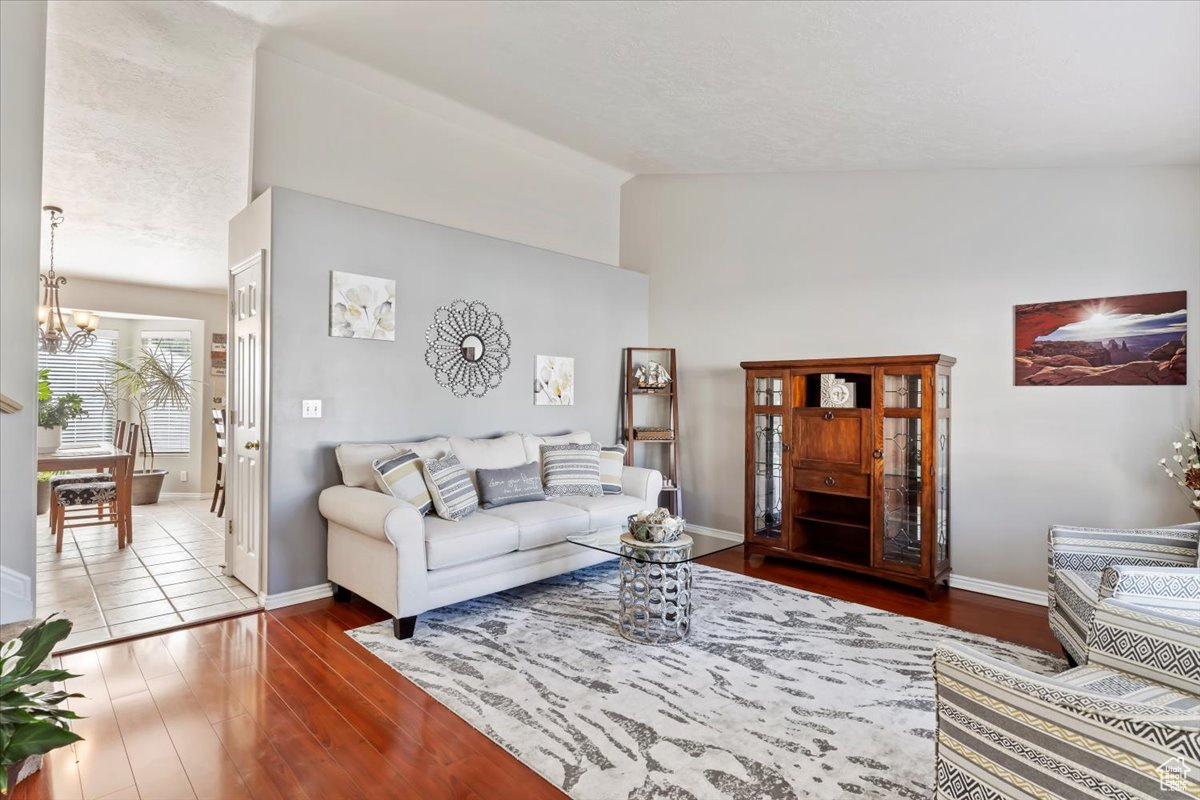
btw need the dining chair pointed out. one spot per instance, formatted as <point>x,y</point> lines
<point>95,496</point>
<point>218,498</point>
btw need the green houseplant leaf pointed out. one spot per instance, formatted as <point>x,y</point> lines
<point>33,720</point>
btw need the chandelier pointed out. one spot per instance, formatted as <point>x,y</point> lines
<point>53,334</point>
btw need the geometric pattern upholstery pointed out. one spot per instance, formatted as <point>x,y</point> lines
<point>1099,730</point>
<point>1077,557</point>
<point>86,494</point>
<point>1151,643</point>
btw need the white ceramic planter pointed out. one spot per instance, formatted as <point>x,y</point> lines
<point>49,439</point>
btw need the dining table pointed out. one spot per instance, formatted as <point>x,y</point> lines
<point>99,457</point>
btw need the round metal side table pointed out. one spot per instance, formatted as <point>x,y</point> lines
<point>656,590</point>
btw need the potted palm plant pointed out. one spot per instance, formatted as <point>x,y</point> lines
<point>54,413</point>
<point>33,720</point>
<point>151,380</point>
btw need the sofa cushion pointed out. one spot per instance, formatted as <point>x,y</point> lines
<point>533,444</point>
<point>542,522</point>
<point>606,512</point>
<point>453,493</point>
<point>472,538</point>
<point>502,451</point>
<point>569,469</point>
<point>612,468</point>
<point>357,461</point>
<point>502,487</point>
<point>403,479</point>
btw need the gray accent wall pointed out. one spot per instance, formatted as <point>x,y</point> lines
<point>552,304</point>
<point>22,85</point>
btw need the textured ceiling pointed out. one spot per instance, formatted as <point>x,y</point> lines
<point>661,87</point>
<point>146,139</point>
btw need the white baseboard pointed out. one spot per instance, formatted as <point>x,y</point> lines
<point>318,592</point>
<point>16,596</point>
<point>964,582</point>
<point>733,537</point>
<point>184,495</point>
<point>1005,590</point>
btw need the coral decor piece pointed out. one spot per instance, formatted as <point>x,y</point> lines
<point>1107,341</point>
<point>1184,468</point>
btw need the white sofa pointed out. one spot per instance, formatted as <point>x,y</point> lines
<point>385,551</point>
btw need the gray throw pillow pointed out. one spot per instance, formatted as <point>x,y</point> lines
<point>500,487</point>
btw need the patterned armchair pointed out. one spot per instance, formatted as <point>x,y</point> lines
<point>1079,555</point>
<point>1100,730</point>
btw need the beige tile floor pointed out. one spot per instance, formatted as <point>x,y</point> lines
<point>168,575</point>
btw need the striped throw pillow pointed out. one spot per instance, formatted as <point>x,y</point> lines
<point>612,466</point>
<point>453,493</point>
<point>571,469</point>
<point>400,476</point>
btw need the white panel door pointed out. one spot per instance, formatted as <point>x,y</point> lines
<point>246,432</point>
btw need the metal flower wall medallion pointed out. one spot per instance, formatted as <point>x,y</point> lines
<point>468,348</point>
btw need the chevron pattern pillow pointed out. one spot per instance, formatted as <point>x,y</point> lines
<point>612,466</point>
<point>571,469</point>
<point>400,476</point>
<point>453,494</point>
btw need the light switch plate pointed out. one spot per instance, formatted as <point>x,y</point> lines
<point>310,408</point>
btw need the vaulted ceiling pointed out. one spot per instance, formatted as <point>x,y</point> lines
<point>699,87</point>
<point>148,103</point>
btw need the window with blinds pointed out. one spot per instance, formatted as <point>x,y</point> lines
<point>83,373</point>
<point>171,428</point>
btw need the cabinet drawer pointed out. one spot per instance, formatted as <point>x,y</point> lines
<point>811,480</point>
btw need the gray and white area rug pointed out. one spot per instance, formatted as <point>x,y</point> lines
<point>776,693</point>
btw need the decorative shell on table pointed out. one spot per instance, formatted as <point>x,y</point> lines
<point>656,526</point>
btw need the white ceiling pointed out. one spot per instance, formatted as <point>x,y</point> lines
<point>690,87</point>
<point>146,139</point>
<point>148,103</point>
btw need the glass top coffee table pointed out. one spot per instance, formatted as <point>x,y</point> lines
<point>656,581</point>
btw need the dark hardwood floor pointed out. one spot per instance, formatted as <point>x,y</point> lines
<point>284,704</point>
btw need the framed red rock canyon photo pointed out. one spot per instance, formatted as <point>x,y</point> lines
<point>1135,340</point>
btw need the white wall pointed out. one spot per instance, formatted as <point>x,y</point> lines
<point>203,313</point>
<point>861,263</point>
<point>343,131</point>
<point>22,82</point>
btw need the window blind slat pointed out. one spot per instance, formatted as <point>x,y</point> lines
<point>82,373</point>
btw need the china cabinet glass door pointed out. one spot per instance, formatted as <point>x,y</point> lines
<point>902,518</point>
<point>768,443</point>
<point>941,471</point>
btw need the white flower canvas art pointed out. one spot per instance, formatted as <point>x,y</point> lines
<point>555,384</point>
<point>362,307</point>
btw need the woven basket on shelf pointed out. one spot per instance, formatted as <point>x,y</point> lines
<point>657,434</point>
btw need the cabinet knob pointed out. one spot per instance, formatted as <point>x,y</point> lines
<point>829,481</point>
<point>828,415</point>
<point>877,453</point>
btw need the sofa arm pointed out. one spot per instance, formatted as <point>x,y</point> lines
<point>1173,587</point>
<point>1151,642</point>
<point>644,483</point>
<point>375,514</point>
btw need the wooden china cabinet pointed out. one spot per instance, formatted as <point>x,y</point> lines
<point>864,486</point>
